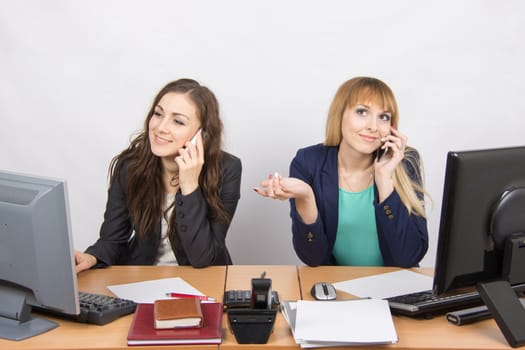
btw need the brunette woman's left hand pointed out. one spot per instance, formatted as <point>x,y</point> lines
<point>190,161</point>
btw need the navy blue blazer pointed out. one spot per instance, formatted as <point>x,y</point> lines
<point>403,238</point>
<point>202,239</point>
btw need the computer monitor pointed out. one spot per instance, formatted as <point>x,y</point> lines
<point>481,239</point>
<point>36,254</point>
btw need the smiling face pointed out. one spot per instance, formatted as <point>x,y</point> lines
<point>363,126</point>
<point>174,121</point>
<point>359,111</point>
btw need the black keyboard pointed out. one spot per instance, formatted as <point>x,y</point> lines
<point>426,304</point>
<point>98,309</point>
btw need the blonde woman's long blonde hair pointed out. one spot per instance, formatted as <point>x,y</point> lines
<point>371,90</point>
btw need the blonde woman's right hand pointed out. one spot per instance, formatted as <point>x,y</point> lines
<point>278,187</point>
<point>84,261</point>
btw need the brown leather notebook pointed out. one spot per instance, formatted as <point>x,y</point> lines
<point>177,313</point>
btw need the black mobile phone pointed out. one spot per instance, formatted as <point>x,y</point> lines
<point>381,152</point>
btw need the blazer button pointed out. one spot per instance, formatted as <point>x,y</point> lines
<point>183,228</point>
<point>386,207</point>
<point>388,211</point>
<point>181,215</point>
<point>309,237</point>
<point>180,202</point>
<point>390,216</point>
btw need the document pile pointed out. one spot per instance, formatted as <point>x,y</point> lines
<point>340,323</point>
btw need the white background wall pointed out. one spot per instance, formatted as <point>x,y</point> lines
<point>77,78</point>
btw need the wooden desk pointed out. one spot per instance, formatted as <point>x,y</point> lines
<point>72,335</point>
<point>435,334</point>
<point>291,282</point>
<point>285,282</point>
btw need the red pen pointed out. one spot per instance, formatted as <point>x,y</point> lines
<point>183,295</point>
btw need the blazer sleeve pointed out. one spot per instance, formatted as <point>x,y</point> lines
<point>310,241</point>
<point>116,229</point>
<point>203,239</point>
<point>403,238</point>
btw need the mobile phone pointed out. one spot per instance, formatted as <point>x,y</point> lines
<point>193,140</point>
<point>381,152</point>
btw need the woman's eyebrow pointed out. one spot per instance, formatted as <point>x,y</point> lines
<point>367,106</point>
<point>174,114</point>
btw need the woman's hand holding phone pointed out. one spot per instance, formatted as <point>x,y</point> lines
<point>190,161</point>
<point>393,147</point>
<point>389,155</point>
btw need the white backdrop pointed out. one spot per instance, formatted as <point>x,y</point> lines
<point>77,78</point>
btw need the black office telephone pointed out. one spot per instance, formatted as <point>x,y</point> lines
<point>251,313</point>
<point>242,299</point>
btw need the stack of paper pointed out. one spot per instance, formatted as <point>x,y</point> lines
<point>340,323</point>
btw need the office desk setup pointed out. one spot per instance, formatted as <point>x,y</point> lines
<point>436,333</point>
<point>291,282</point>
<point>72,335</point>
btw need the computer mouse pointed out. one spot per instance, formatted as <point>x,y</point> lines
<point>323,291</point>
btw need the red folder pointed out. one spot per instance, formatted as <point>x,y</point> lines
<point>143,332</point>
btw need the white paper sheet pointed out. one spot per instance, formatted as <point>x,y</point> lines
<point>149,291</point>
<point>386,285</point>
<point>347,322</point>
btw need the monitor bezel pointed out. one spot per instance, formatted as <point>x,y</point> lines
<point>41,269</point>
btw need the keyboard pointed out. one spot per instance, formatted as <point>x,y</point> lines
<point>426,304</point>
<point>97,309</point>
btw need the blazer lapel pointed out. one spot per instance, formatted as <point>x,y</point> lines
<point>330,188</point>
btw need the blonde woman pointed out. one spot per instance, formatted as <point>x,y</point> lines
<point>358,198</point>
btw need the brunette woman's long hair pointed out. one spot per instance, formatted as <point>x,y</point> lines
<point>145,192</point>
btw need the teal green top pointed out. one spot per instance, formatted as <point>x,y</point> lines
<point>356,243</point>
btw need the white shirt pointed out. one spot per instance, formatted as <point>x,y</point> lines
<point>165,255</point>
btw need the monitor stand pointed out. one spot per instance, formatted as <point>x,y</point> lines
<point>17,330</point>
<point>506,308</point>
<point>507,227</point>
<point>16,322</point>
